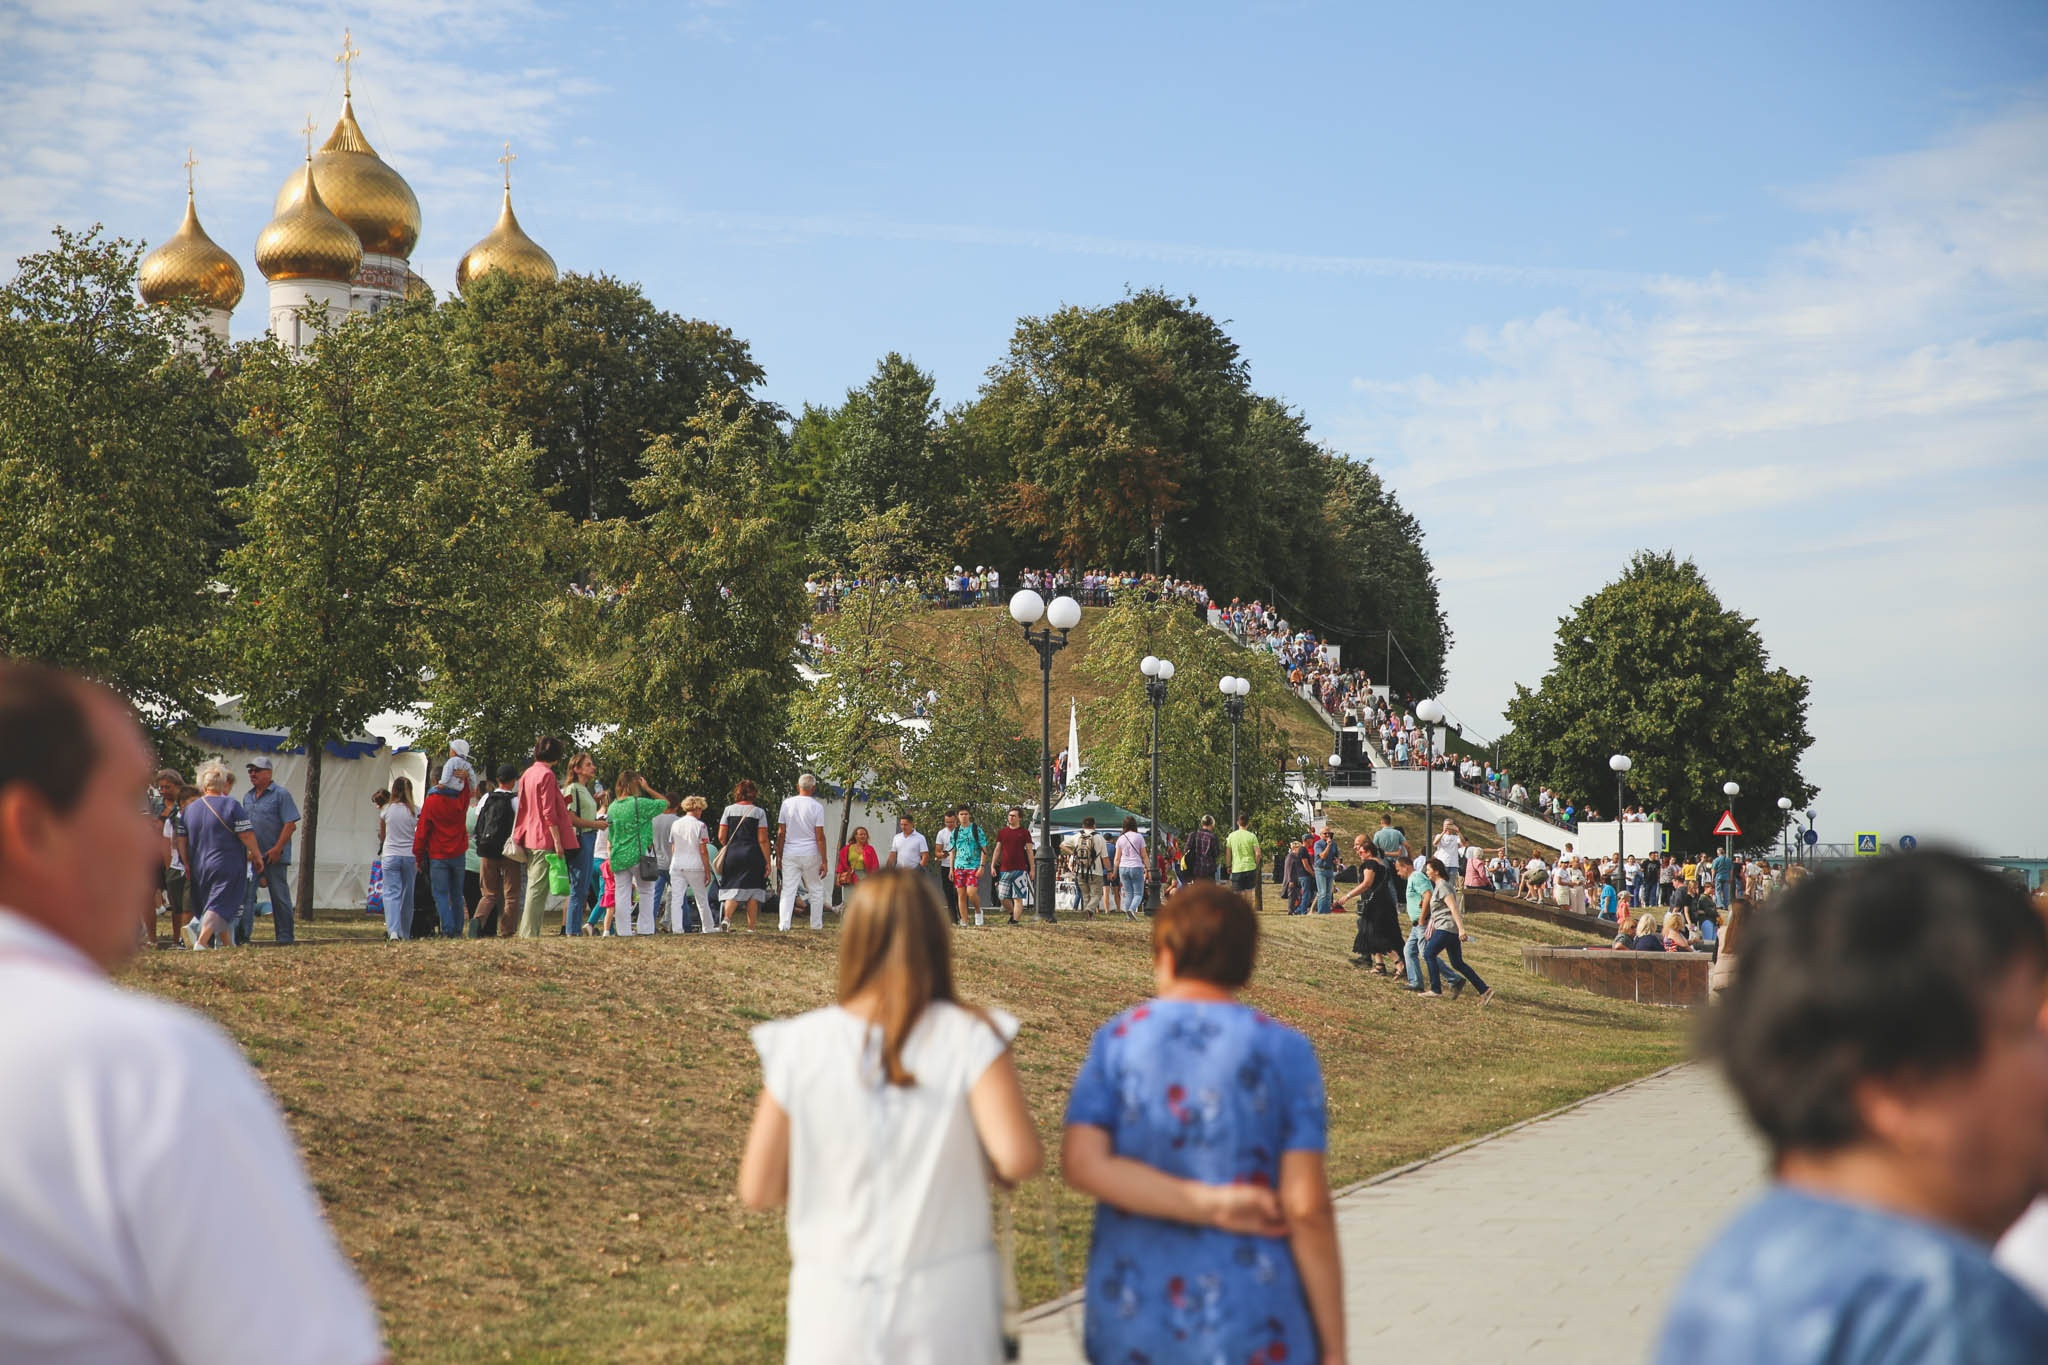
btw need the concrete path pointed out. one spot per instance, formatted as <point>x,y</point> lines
<point>1509,1249</point>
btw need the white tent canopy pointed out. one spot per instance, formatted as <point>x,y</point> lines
<point>353,770</point>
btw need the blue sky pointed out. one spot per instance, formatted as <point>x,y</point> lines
<point>1763,284</point>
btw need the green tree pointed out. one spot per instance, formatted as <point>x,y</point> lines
<point>1655,667</point>
<point>1194,732</point>
<point>848,723</point>
<point>700,649</point>
<point>887,455</point>
<point>1378,578</point>
<point>390,529</point>
<point>975,751</point>
<point>593,372</point>
<point>1113,424</point>
<point>110,441</point>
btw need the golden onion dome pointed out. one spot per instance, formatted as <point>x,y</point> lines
<point>305,241</point>
<point>361,190</point>
<point>189,265</point>
<point>509,249</point>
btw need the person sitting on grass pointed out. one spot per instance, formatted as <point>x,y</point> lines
<point>1886,1035</point>
<point>880,1120</point>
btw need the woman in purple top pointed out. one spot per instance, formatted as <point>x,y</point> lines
<point>223,854</point>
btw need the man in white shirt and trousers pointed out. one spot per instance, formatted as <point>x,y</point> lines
<point>143,1166</point>
<point>800,849</point>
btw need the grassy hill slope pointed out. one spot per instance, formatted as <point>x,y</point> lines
<point>529,1148</point>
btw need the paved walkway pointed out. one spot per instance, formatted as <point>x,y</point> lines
<point>1508,1250</point>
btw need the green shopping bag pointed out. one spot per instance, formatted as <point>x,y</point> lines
<point>558,875</point>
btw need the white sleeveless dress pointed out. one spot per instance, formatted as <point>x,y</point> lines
<point>893,1258</point>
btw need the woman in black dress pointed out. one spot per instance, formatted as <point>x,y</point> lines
<point>743,862</point>
<point>1379,920</point>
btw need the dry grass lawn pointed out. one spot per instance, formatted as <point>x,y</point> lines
<point>529,1148</point>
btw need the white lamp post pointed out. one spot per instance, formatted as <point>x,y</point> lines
<point>1429,711</point>
<point>1621,763</point>
<point>1158,672</point>
<point>1785,829</point>
<point>1233,689</point>
<point>1027,608</point>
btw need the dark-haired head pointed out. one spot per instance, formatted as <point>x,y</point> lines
<point>547,749</point>
<point>1898,1006</point>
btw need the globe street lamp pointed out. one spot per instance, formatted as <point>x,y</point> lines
<point>1731,790</point>
<point>1027,608</point>
<point>1429,711</point>
<point>1785,829</point>
<point>1158,672</point>
<point>1621,763</point>
<point>1233,689</point>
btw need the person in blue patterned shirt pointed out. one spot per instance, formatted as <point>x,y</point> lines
<point>1887,1034</point>
<point>1199,1126</point>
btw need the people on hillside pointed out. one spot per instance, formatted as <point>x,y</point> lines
<point>858,860</point>
<point>544,826</point>
<point>582,858</point>
<point>440,839</point>
<point>1447,933</point>
<point>744,851</point>
<point>1086,855</point>
<point>1886,1035</point>
<point>1244,858</point>
<point>273,819</point>
<point>499,873</point>
<point>224,856</point>
<point>1013,863</point>
<point>1204,851</point>
<point>1129,858</point>
<point>634,863</point>
<point>800,853</point>
<point>1379,922</point>
<point>880,1120</point>
<point>142,1154</point>
<point>1199,1126</point>
<point>397,830</point>
<point>689,871</point>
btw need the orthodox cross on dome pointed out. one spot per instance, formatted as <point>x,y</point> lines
<point>506,161</point>
<point>190,162</point>
<point>349,52</point>
<point>308,131</point>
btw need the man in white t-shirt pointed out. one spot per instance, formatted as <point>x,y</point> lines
<point>908,849</point>
<point>144,1169</point>
<point>800,846</point>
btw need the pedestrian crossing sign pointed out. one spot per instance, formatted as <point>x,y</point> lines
<point>1866,845</point>
<point>1666,842</point>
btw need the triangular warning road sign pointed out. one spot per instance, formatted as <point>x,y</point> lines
<point>1727,825</point>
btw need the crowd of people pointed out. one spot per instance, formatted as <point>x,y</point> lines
<point>1885,1034</point>
<point>982,586</point>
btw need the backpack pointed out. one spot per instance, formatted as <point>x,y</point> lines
<point>494,824</point>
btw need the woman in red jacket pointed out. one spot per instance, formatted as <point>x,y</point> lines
<point>438,843</point>
<point>542,827</point>
<point>856,861</point>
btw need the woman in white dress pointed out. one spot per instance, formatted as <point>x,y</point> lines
<point>880,1122</point>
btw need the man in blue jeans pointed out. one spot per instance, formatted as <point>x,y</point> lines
<point>1417,882</point>
<point>273,818</point>
<point>1325,868</point>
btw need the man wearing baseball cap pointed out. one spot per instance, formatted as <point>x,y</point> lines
<point>273,818</point>
<point>144,1169</point>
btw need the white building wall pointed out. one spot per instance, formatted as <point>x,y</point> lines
<point>288,296</point>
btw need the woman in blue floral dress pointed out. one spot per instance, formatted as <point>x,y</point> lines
<point>1198,1124</point>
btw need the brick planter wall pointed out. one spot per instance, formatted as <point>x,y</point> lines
<point>1678,979</point>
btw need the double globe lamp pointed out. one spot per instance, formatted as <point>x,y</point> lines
<point>1060,615</point>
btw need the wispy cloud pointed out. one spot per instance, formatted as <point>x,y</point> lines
<point>788,227</point>
<point>1926,305</point>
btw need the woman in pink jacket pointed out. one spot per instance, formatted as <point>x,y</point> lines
<point>542,827</point>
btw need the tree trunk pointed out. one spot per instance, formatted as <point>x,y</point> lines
<point>845,816</point>
<point>316,754</point>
